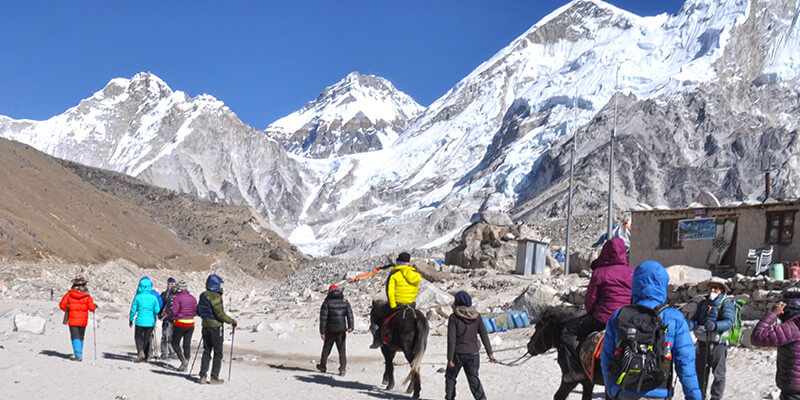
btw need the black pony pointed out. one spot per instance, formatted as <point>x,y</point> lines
<point>547,334</point>
<point>408,330</point>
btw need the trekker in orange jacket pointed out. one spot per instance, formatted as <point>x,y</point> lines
<point>77,303</point>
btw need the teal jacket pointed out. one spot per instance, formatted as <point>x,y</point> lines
<point>145,307</point>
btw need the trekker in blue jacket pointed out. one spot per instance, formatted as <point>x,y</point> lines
<point>144,312</point>
<point>649,288</point>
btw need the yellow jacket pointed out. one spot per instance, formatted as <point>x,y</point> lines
<point>403,285</point>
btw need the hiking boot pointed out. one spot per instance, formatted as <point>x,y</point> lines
<point>342,371</point>
<point>203,380</point>
<point>215,381</point>
<point>140,357</point>
<point>78,358</point>
<point>183,366</point>
<point>321,368</point>
<point>376,342</point>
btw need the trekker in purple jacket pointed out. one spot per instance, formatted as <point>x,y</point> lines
<point>182,315</point>
<point>609,289</point>
<point>786,336</point>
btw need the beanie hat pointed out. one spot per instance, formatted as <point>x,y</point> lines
<point>79,284</point>
<point>170,281</point>
<point>404,257</point>
<point>463,299</point>
<point>333,287</point>
<point>181,286</point>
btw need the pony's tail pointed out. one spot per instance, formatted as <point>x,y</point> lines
<point>420,344</point>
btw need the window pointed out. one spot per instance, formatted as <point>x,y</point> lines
<point>780,227</point>
<point>668,234</point>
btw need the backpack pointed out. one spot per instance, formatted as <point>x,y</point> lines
<point>204,309</point>
<point>642,360</point>
<point>733,335</point>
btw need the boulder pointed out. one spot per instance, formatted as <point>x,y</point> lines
<point>29,323</point>
<point>496,217</point>
<point>682,274</point>
<point>431,296</point>
<point>535,299</point>
<point>261,327</point>
<point>484,246</point>
<point>581,257</point>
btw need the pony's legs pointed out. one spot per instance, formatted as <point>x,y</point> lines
<point>388,372</point>
<point>588,388</point>
<point>565,389</point>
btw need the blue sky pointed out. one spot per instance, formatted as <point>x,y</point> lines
<point>264,59</point>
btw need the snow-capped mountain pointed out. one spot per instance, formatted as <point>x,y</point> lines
<point>357,114</point>
<point>142,128</point>
<point>703,94</point>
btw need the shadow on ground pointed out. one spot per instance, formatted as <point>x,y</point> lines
<point>328,380</point>
<point>176,374</point>
<point>119,357</point>
<point>53,353</point>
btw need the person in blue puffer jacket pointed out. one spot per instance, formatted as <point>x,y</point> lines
<point>144,312</point>
<point>649,288</point>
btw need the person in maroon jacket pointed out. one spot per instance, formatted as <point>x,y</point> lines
<point>609,289</point>
<point>182,315</point>
<point>786,336</point>
<point>463,328</point>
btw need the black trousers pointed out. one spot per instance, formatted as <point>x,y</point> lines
<point>166,338</point>
<point>790,396</point>
<point>185,334</point>
<point>713,354</point>
<point>142,336</point>
<point>77,332</point>
<point>573,332</point>
<point>340,340</point>
<point>470,363</point>
<point>212,341</point>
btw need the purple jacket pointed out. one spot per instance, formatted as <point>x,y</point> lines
<point>786,336</point>
<point>183,306</point>
<point>610,286</point>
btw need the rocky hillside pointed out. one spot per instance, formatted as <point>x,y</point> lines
<point>59,211</point>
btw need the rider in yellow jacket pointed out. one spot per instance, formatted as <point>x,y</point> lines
<point>401,289</point>
<point>403,284</point>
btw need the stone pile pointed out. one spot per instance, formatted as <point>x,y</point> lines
<point>760,293</point>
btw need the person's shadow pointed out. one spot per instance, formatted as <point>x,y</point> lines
<point>176,374</point>
<point>119,357</point>
<point>53,353</point>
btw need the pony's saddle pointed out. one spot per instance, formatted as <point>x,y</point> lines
<point>386,333</point>
<point>589,353</point>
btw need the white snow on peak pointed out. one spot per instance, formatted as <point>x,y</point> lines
<point>373,97</point>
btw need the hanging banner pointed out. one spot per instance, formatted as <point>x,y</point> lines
<point>697,229</point>
<point>725,228</point>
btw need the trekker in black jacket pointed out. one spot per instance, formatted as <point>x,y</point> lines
<point>335,321</point>
<point>463,328</point>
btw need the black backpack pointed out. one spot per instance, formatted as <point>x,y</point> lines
<point>642,360</point>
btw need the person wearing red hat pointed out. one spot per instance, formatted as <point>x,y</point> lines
<point>335,322</point>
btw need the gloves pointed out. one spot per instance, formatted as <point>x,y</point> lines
<point>710,326</point>
<point>130,324</point>
<point>234,324</point>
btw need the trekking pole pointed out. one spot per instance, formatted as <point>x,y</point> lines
<point>706,368</point>
<point>94,335</point>
<point>230,362</point>
<point>195,355</point>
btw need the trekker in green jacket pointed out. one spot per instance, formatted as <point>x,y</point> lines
<point>210,308</point>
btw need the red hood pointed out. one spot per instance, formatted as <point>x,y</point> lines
<point>613,253</point>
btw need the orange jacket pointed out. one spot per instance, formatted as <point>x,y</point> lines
<point>79,305</point>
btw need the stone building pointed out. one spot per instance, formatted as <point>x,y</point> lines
<point>714,237</point>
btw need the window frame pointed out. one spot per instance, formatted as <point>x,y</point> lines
<point>782,226</point>
<point>675,243</point>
